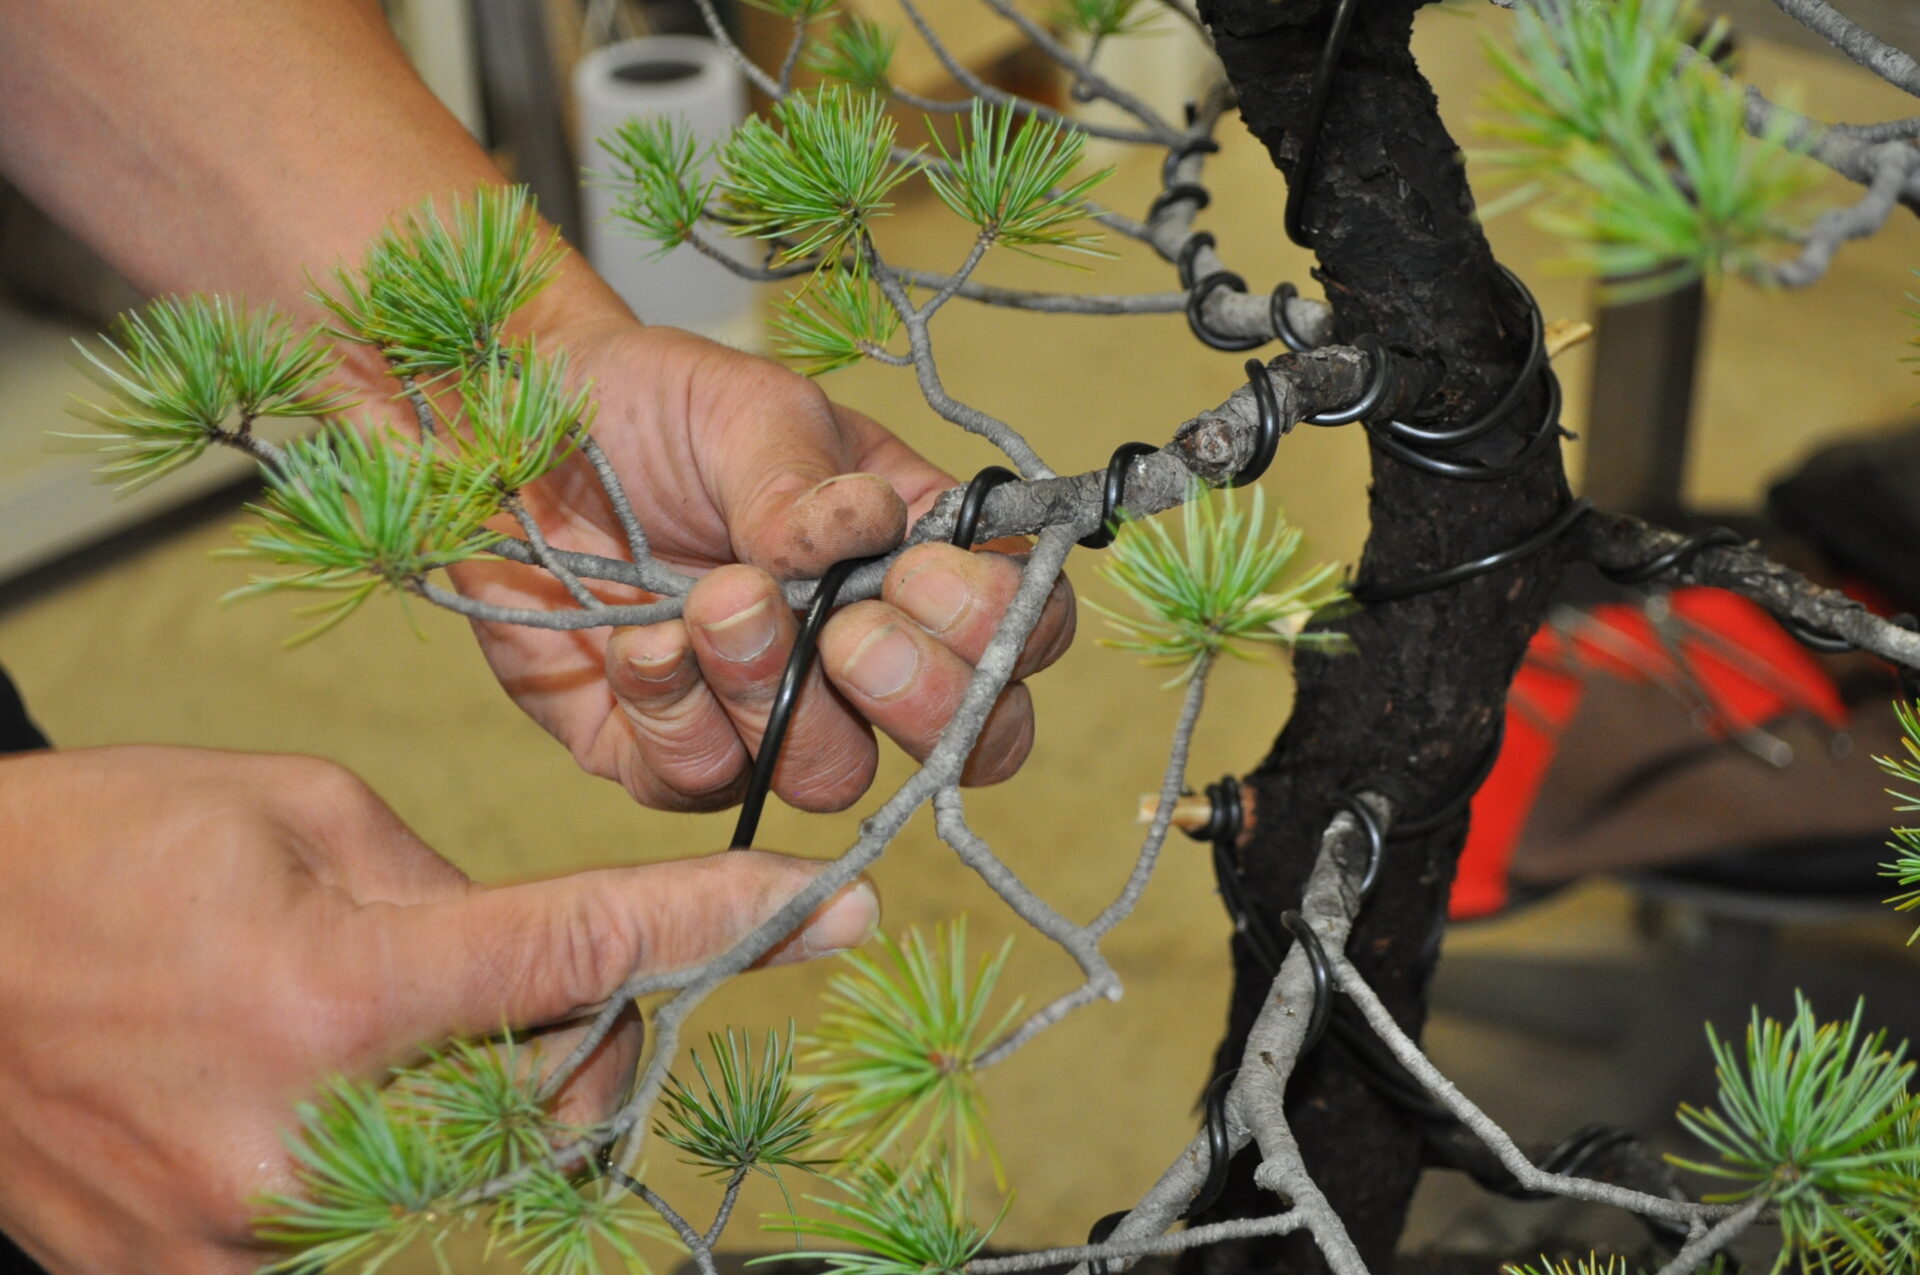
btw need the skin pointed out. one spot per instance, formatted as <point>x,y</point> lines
<point>190,941</point>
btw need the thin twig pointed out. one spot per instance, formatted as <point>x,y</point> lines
<point>792,59</point>
<point>616,493</point>
<point>958,279</point>
<point>1096,84</point>
<point>988,93</point>
<point>718,30</point>
<point>699,1247</point>
<point>423,414</point>
<point>245,440</point>
<point>543,554</point>
<point>1703,1246</point>
<point>649,573</point>
<point>1893,65</point>
<point>728,1199</point>
<point>1171,782</point>
<point>1893,163</point>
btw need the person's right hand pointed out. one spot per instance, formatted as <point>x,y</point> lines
<point>191,941</point>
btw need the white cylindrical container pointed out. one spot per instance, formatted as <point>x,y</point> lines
<point>672,75</point>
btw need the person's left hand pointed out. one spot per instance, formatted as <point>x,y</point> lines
<point>746,474</point>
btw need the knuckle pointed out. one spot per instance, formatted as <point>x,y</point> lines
<point>824,780</point>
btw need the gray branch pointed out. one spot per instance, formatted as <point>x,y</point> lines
<point>1179,1242</point>
<point>1092,81</point>
<point>1863,46</point>
<point>245,440</point>
<point>1698,1250</point>
<point>423,415</point>
<point>617,497</point>
<point>544,555</point>
<point>698,1246</point>
<point>792,60</point>
<point>1893,164</point>
<point>988,93</point>
<point>649,573</point>
<point>1619,541</point>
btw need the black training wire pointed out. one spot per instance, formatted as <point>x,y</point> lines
<point>1267,441</point>
<point>1463,796</point>
<point>1197,323</point>
<point>1173,194</point>
<point>1322,969</point>
<point>780,715</point>
<point>1680,555</point>
<point>1376,838</point>
<point>1814,639</point>
<point>1113,490</point>
<point>1379,384</point>
<point>1397,590</point>
<point>966,520</point>
<point>1099,1233</point>
<point>1486,422</point>
<point>1183,260</point>
<point>1180,150</point>
<point>1479,471</point>
<point>1282,325</point>
<point>1316,116</point>
<point>1219,1146</point>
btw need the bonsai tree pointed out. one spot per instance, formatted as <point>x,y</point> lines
<point>1335,851</point>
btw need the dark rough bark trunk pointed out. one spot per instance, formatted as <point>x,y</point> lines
<point>1413,710</point>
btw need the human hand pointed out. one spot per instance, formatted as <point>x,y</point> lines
<point>191,941</point>
<point>746,472</point>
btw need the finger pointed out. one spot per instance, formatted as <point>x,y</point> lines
<point>346,835</point>
<point>676,748</point>
<point>878,450</point>
<point>782,471</point>
<point>552,950</point>
<point>742,633</point>
<point>601,1083</point>
<point>907,683</point>
<point>961,598</point>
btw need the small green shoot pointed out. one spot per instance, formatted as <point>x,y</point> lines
<point>816,176</point>
<point>1630,146</point>
<point>895,1049</point>
<point>745,1115</point>
<point>434,293</point>
<point>857,51</point>
<point>185,372</point>
<point>657,172</point>
<point>1905,868</point>
<point>1013,178</point>
<point>1807,1118</point>
<point>1106,19</point>
<point>895,1223</point>
<point>522,418</point>
<point>1217,588</point>
<point>837,320</point>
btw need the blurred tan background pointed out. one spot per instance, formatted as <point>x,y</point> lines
<point>136,649</point>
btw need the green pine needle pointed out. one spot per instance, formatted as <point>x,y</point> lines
<point>557,1226</point>
<point>1816,1117</point>
<point>1012,176</point>
<point>1635,153</point>
<point>353,514</point>
<point>895,1049</point>
<point>369,1178</point>
<point>482,1100</point>
<point>749,1117</point>
<point>435,293</point>
<point>1590,1265</point>
<point>1216,588</point>
<point>895,1223</point>
<point>522,418</point>
<point>1103,19</point>
<point>188,371</point>
<point>657,170</point>
<point>815,176</point>
<point>837,320</point>
<point>1905,868</point>
<point>857,51</point>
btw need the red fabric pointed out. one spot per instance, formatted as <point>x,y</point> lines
<point>1751,670</point>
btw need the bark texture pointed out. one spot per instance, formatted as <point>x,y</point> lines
<point>1412,712</point>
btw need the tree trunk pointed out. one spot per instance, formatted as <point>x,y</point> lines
<point>1412,711</point>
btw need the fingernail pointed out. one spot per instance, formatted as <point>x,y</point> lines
<point>741,637</point>
<point>935,596</point>
<point>883,663</point>
<point>848,920</point>
<point>655,668</point>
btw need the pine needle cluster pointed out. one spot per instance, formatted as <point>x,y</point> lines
<point>1819,1118</point>
<point>837,320</point>
<point>1628,144</point>
<point>895,1049</point>
<point>1104,19</point>
<point>380,1170</point>
<point>186,372</point>
<point>745,1115</point>
<point>1012,176</point>
<point>1217,587</point>
<point>658,172</point>
<point>858,52</point>
<point>893,1222</point>
<point>1905,868</point>
<point>435,292</point>
<point>816,176</point>
<point>357,508</point>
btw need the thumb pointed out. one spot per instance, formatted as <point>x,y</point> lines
<point>552,950</point>
<point>797,524</point>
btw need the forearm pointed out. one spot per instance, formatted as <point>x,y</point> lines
<point>229,145</point>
